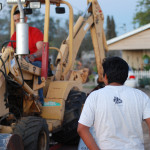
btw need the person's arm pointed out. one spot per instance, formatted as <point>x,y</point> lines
<point>148,124</point>
<point>87,137</point>
<point>38,53</point>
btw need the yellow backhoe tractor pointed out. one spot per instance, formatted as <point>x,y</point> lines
<point>20,111</point>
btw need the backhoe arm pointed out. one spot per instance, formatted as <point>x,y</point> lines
<point>94,23</point>
<point>98,37</point>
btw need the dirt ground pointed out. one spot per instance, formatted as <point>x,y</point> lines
<point>89,86</point>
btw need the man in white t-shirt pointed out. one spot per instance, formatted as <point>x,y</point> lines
<point>116,112</point>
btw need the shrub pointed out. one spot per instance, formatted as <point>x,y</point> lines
<point>144,81</point>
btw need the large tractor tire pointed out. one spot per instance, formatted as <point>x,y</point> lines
<point>34,133</point>
<point>73,106</point>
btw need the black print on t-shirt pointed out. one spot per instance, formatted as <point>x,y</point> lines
<point>117,100</point>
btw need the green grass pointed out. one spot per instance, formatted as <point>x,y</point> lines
<point>89,86</point>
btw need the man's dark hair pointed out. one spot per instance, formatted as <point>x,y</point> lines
<point>116,69</point>
<point>16,12</point>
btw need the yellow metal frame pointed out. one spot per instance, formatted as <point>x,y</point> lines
<point>95,24</point>
<point>12,20</point>
<point>46,24</point>
<point>61,60</point>
<point>70,38</point>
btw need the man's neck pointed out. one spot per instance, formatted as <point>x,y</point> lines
<point>115,84</point>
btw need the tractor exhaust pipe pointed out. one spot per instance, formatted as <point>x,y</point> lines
<point>22,33</point>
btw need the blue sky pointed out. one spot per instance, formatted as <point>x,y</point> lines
<point>122,11</point>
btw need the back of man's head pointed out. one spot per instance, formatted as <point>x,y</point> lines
<point>116,70</point>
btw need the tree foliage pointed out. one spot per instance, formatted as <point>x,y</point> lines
<point>111,33</point>
<point>110,28</point>
<point>4,23</point>
<point>36,19</point>
<point>142,15</point>
<point>113,27</point>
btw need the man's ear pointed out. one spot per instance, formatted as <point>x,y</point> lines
<point>105,79</point>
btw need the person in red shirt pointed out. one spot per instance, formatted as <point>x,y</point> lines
<point>35,47</point>
<point>35,40</point>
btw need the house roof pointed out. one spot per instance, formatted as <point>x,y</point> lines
<point>113,40</point>
<point>118,40</point>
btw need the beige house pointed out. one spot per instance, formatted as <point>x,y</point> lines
<point>133,45</point>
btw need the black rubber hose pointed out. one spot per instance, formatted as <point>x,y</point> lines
<point>6,42</point>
